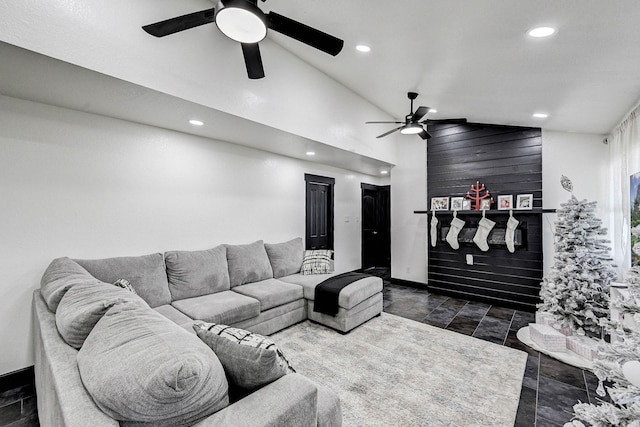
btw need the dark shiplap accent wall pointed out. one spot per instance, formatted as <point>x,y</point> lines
<point>508,160</point>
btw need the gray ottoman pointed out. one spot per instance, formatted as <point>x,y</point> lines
<point>358,302</point>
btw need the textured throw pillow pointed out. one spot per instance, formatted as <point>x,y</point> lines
<point>124,284</point>
<point>83,306</point>
<point>316,261</point>
<point>248,263</point>
<point>249,360</point>
<point>140,367</point>
<point>60,276</point>
<point>285,258</point>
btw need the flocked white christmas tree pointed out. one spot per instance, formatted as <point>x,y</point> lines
<point>576,291</point>
<point>618,362</point>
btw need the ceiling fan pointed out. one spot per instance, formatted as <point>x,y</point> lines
<point>244,22</point>
<point>412,124</point>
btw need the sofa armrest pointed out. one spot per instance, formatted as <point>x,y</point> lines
<point>289,401</point>
<point>61,397</point>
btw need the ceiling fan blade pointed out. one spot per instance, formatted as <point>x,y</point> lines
<point>446,121</point>
<point>390,132</point>
<point>253,60</point>
<point>180,23</point>
<point>384,122</point>
<point>420,112</point>
<point>305,34</point>
<point>424,134</point>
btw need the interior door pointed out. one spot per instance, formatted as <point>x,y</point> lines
<point>319,212</point>
<point>376,226</point>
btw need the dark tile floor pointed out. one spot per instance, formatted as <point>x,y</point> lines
<point>18,399</point>
<point>550,388</point>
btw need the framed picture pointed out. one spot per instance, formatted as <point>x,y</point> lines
<point>524,201</point>
<point>485,204</point>
<point>505,202</point>
<point>439,203</point>
<point>456,203</point>
<point>466,204</point>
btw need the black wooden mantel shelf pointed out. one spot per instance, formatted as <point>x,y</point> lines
<point>490,212</point>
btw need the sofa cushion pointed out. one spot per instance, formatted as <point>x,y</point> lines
<point>285,258</point>
<point>249,360</point>
<point>308,282</point>
<point>316,261</point>
<point>84,305</point>
<point>271,292</point>
<point>139,366</point>
<point>173,314</point>
<point>195,273</point>
<point>59,277</point>
<point>248,263</point>
<point>222,307</point>
<point>146,274</point>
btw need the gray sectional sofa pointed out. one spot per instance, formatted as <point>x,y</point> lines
<point>99,346</point>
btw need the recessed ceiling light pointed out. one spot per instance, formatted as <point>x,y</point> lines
<point>196,122</point>
<point>540,115</point>
<point>310,153</point>
<point>363,48</point>
<point>433,110</point>
<point>383,172</point>
<point>541,32</point>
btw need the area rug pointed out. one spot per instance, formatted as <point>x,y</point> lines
<point>393,371</point>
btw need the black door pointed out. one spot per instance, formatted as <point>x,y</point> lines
<point>376,226</point>
<point>319,212</point>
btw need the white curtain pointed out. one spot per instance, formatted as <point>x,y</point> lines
<point>624,150</point>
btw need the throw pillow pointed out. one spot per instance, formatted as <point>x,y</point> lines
<point>285,258</point>
<point>317,261</point>
<point>60,276</point>
<point>124,284</point>
<point>83,306</point>
<point>140,367</point>
<point>249,360</point>
<point>248,263</point>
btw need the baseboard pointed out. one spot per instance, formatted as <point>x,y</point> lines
<point>15,379</point>
<point>409,283</point>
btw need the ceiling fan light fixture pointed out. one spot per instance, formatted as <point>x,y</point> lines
<point>411,129</point>
<point>241,21</point>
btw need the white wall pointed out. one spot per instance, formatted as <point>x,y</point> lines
<point>583,158</point>
<point>409,193</point>
<point>80,185</point>
<point>200,65</point>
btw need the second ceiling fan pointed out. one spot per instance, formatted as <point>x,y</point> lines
<point>244,22</point>
<point>412,124</point>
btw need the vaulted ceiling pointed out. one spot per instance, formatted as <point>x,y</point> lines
<point>466,58</point>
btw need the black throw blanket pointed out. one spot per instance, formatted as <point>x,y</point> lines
<point>328,292</point>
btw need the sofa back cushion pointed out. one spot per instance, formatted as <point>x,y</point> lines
<point>286,257</point>
<point>196,273</point>
<point>146,274</point>
<point>139,366</point>
<point>62,274</point>
<point>248,263</point>
<point>84,305</point>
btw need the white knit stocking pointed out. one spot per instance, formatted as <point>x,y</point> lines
<point>510,234</point>
<point>434,230</point>
<point>454,230</point>
<point>484,228</point>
